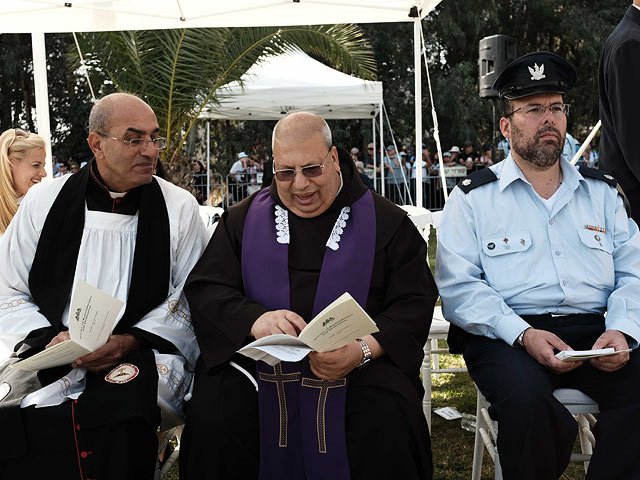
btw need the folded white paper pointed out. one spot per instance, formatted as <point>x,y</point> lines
<point>338,324</point>
<point>448,413</point>
<point>92,315</point>
<point>577,355</point>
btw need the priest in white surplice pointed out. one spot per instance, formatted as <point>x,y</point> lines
<point>136,237</point>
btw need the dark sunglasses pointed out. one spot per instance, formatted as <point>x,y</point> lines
<point>310,171</point>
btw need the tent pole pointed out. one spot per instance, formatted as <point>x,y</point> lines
<point>436,130</point>
<point>382,152</point>
<point>375,166</point>
<point>417,75</point>
<point>42,95</point>
<point>208,164</point>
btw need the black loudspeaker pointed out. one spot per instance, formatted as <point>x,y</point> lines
<point>496,52</point>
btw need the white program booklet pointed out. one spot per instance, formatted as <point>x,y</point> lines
<point>92,315</point>
<point>340,323</point>
<point>577,355</point>
<point>448,413</point>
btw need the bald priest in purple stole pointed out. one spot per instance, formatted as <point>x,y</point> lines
<point>275,260</point>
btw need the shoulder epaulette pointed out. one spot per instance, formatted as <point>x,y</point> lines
<point>598,175</point>
<point>605,177</point>
<point>477,179</point>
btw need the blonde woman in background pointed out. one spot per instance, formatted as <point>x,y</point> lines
<point>22,156</point>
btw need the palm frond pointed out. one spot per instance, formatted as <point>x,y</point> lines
<point>179,72</point>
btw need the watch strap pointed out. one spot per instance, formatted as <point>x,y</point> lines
<point>367,356</point>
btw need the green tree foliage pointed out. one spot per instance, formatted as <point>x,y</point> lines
<point>69,100</point>
<point>575,29</point>
<point>178,72</point>
<point>16,82</point>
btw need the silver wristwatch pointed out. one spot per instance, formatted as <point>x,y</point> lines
<point>366,353</point>
<point>519,343</point>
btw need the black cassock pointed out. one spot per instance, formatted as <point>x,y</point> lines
<point>618,81</point>
<point>386,432</point>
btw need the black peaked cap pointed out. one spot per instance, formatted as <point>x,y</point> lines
<point>534,73</point>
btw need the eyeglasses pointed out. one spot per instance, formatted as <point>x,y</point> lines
<point>17,132</point>
<point>310,171</point>
<point>159,142</point>
<point>537,111</point>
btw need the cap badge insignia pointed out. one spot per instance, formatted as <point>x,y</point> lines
<point>537,72</point>
<point>123,373</point>
<point>5,388</point>
<point>466,182</point>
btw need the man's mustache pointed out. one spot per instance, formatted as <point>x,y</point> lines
<point>545,130</point>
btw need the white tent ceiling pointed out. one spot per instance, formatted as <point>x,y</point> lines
<point>296,82</point>
<point>100,15</point>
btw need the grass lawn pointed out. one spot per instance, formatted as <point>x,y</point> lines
<point>451,445</point>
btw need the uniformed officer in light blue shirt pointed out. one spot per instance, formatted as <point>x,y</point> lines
<point>532,253</point>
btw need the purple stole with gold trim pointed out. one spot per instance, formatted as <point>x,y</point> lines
<point>302,418</point>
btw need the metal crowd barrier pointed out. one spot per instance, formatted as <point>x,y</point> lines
<point>241,185</point>
<point>432,193</point>
<point>213,193</point>
<point>235,187</point>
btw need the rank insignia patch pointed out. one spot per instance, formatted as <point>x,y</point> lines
<point>123,373</point>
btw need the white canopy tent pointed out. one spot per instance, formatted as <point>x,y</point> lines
<point>101,15</point>
<point>295,82</point>
<point>48,16</point>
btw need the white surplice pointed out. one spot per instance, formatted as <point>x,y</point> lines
<point>105,260</point>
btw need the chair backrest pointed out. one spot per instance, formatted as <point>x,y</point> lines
<point>210,217</point>
<point>421,218</point>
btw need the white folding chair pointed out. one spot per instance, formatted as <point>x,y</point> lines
<point>210,216</point>
<point>172,434</point>
<point>423,220</point>
<point>431,362</point>
<point>581,406</point>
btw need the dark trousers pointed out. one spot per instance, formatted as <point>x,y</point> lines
<point>60,447</point>
<point>536,433</point>
<point>221,439</point>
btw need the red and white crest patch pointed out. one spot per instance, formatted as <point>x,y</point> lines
<point>123,373</point>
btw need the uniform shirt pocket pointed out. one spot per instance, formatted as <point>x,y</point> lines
<point>598,257</point>
<point>507,262</point>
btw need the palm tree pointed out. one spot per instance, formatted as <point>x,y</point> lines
<point>178,72</point>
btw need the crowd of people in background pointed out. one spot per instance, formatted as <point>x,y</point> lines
<point>247,174</point>
<point>252,171</point>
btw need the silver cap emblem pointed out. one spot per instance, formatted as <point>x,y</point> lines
<point>537,72</point>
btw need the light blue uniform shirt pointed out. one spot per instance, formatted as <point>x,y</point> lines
<point>502,254</point>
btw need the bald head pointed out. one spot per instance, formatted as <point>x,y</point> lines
<point>298,127</point>
<point>102,112</point>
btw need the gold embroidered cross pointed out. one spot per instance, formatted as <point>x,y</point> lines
<point>324,386</point>
<point>279,379</point>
